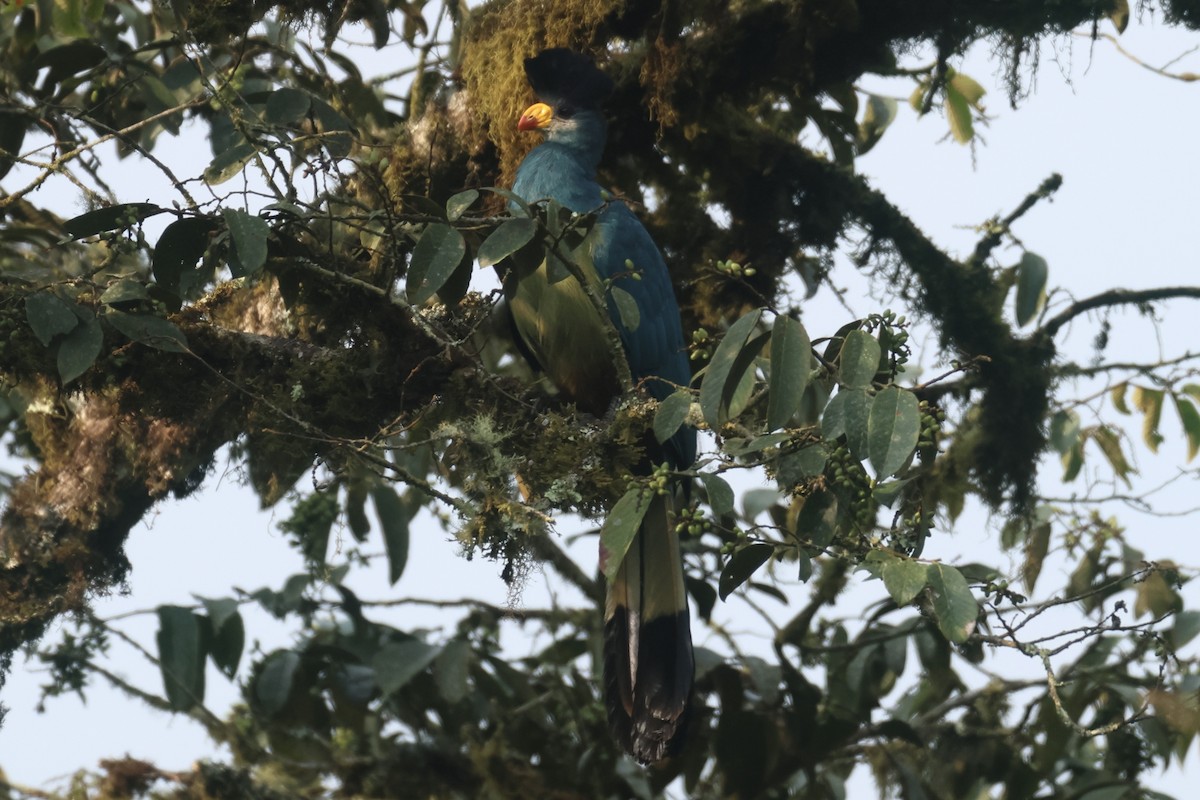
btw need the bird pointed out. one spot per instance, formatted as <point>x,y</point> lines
<point>648,660</point>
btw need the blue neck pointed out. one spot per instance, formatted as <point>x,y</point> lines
<point>583,134</point>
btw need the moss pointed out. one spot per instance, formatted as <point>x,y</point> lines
<point>501,36</point>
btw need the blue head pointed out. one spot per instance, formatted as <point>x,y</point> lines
<point>571,89</point>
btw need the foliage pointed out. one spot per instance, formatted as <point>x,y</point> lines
<point>304,305</point>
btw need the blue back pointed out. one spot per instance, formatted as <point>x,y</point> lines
<point>563,169</point>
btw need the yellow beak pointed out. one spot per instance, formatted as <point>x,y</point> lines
<point>535,117</point>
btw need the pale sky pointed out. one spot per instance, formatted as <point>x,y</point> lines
<point>1123,139</point>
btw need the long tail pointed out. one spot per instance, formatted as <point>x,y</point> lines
<point>648,662</point>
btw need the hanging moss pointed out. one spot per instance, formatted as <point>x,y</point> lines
<point>501,36</point>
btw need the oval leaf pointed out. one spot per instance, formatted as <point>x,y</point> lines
<point>229,163</point>
<point>904,579</point>
<point>954,606</point>
<point>434,259</point>
<point>394,518</point>
<point>180,246</point>
<point>79,349</point>
<point>248,234</point>
<point>181,655</point>
<point>791,365</point>
<point>619,529</point>
<point>111,218</point>
<point>451,670</point>
<point>508,238</point>
<point>457,205</point>
<point>49,316</point>
<point>1031,287</point>
<point>720,495</point>
<point>1190,419</point>
<point>671,413</point>
<point>627,309</point>
<point>273,684</point>
<point>726,370</point>
<point>859,360</point>
<point>858,419</point>
<point>817,520</point>
<point>745,562</point>
<point>399,662</point>
<point>227,643</point>
<point>893,429</point>
<point>287,106</point>
<point>150,330</point>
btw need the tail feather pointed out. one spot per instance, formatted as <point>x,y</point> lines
<point>648,662</point>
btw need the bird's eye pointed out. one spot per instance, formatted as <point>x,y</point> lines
<point>566,111</point>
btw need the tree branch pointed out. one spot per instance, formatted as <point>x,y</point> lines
<point>1116,297</point>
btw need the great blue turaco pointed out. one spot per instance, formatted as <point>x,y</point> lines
<point>648,660</point>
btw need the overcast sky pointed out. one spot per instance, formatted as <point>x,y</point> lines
<point>1122,137</point>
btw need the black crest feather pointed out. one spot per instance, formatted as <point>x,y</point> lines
<point>561,75</point>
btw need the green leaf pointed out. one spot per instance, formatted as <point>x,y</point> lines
<point>1064,431</point>
<point>451,669</point>
<point>1110,445</point>
<point>671,413</point>
<point>181,655</point>
<point>512,198</point>
<point>181,245</point>
<point>958,114</point>
<point>12,136</point>
<point>149,329</point>
<point>791,365</point>
<point>248,234</point>
<point>1155,595</point>
<point>894,427</point>
<point>1037,544</point>
<point>859,360</point>
<point>434,259</point>
<point>879,113</point>
<point>397,663</point>
<point>833,418</point>
<point>1032,272</point>
<point>817,520</point>
<point>1190,419</point>
<point>287,107</point>
<point>458,204</point>
<point>627,308</point>
<point>229,163</point>
<point>228,633</point>
<point>1119,15</point>
<point>904,579</point>
<point>1186,628</point>
<point>857,408</point>
<point>742,565</point>
<point>954,606</point>
<point>273,684</point>
<point>756,501</point>
<point>1072,462</point>
<point>803,464</point>
<point>726,369</point>
<point>508,238</point>
<point>394,518</point>
<point>335,129</point>
<point>49,316</point>
<point>1150,403</point>
<point>968,87</point>
<point>1117,395</point>
<point>720,495</point>
<point>110,218</point>
<point>125,290</point>
<point>620,528</point>
<point>79,349</point>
